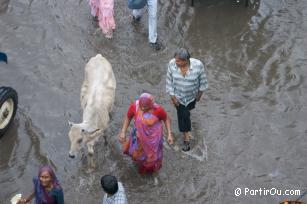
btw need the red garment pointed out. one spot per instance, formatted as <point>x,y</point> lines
<point>158,111</point>
<point>145,144</point>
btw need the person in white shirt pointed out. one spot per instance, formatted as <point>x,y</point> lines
<point>186,82</point>
<point>115,192</point>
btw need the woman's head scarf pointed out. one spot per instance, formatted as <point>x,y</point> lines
<point>40,193</point>
<point>147,100</point>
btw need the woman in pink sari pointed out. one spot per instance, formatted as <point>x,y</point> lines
<point>104,11</point>
<point>145,143</point>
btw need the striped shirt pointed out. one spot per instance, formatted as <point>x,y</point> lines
<point>185,88</point>
<point>118,198</point>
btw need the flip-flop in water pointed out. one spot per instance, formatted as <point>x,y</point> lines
<point>186,146</point>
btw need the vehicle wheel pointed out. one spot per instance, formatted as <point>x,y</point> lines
<point>8,107</point>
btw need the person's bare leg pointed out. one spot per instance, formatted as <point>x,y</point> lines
<point>186,136</point>
<point>155,177</point>
<point>186,141</point>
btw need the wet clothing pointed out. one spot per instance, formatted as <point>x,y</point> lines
<point>183,115</point>
<point>104,11</point>
<point>185,88</point>
<point>157,111</point>
<point>152,19</point>
<point>118,198</point>
<point>145,143</point>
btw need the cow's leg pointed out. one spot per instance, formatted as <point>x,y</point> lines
<point>83,94</point>
<point>90,148</point>
<point>90,142</point>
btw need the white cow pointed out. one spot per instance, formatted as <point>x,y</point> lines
<point>97,98</point>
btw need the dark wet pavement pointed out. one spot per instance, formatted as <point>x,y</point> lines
<point>249,130</point>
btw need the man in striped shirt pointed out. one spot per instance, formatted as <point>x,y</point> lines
<point>186,81</point>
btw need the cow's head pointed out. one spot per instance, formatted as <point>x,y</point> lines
<point>76,137</point>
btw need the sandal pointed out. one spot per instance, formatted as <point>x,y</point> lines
<point>186,146</point>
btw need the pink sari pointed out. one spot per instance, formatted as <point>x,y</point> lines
<point>104,10</point>
<point>145,143</point>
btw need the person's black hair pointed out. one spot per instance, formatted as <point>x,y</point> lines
<point>183,54</point>
<point>109,184</point>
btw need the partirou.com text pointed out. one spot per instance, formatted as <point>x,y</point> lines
<point>266,192</point>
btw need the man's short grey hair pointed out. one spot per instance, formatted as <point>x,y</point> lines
<point>182,54</point>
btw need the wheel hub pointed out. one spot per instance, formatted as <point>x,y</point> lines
<point>6,112</point>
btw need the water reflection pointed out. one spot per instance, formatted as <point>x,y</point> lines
<point>10,140</point>
<point>19,153</point>
<point>4,6</point>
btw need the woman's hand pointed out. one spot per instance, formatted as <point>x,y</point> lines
<point>122,137</point>
<point>22,201</point>
<point>170,138</point>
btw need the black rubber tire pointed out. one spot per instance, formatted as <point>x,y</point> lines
<point>7,94</point>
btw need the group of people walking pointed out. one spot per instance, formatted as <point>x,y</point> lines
<point>186,82</point>
<point>103,11</point>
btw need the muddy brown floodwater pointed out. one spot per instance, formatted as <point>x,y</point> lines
<point>249,130</point>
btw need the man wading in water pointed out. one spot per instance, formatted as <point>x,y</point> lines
<point>186,81</point>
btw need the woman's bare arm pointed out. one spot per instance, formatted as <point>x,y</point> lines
<point>167,124</point>
<point>26,200</point>
<point>122,134</point>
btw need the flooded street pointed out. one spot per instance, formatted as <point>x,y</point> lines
<point>249,130</point>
